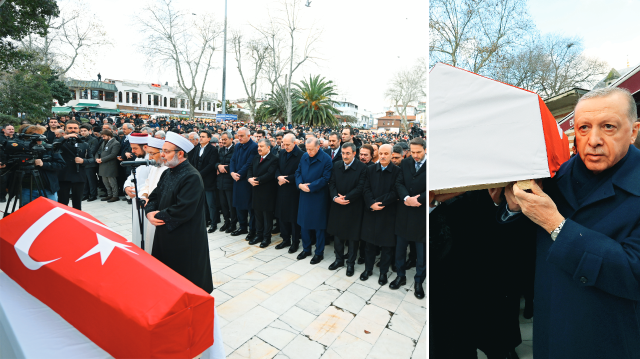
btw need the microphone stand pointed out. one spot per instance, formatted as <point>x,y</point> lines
<point>139,207</point>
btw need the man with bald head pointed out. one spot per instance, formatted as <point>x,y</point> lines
<point>245,151</point>
<point>312,178</point>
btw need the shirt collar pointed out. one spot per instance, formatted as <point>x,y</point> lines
<point>350,163</point>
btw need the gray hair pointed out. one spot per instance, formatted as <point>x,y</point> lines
<point>632,111</point>
<point>146,129</point>
<point>160,134</point>
<point>291,137</point>
<point>313,140</point>
<point>128,125</point>
<point>245,130</point>
<point>349,145</point>
<point>265,141</point>
<point>195,134</point>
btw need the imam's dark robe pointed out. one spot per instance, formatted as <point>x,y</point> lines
<point>345,221</point>
<point>181,243</point>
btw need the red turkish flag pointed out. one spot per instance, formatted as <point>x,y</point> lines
<point>120,297</point>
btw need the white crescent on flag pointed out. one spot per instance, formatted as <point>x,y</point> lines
<point>25,241</point>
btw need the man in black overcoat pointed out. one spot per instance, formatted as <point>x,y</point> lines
<point>225,183</point>
<point>378,224</point>
<point>345,214</point>
<point>288,194</point>
<point>205,157</point>
<point>411,225</point>
<point>76,154</point>
<point>262,176</point>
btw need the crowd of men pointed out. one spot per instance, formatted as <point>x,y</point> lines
<point>313,185</point>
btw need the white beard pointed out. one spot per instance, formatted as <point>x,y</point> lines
<point>173,162</point>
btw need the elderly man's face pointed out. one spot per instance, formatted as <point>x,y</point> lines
<point>347,155</point>
<point>603,131</point>
<point>312,149</point>
<point>170,155</point>
<point>9,131</point>
<point>263,149</point>
<point>127,130</point>
<point>385,154</point>
<point>242,136</point>
<point>365,155</point>
<point>194,140</point>
<point>288,144</point>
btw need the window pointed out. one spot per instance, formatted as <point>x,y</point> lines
<point>84,94</point>
<point>128,97</point>
<point>173,103</point>
<point>73,95</point>
<point>165,102</point>
<point>120,96</point>
<point>134,97</point>
<point>101,95</point>
<point>156,100</point>
<point>208,106</point>
<point>181,103</point>
<point>149,100</point>
<point>95,95</point>
<point>109,96</point>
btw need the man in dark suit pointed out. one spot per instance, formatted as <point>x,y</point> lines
<point>73,176</point>
<point>334,147</point>
<point>205,157</point>
<point>225,183</point>
<point>261,175</point>
<point>411,226</point>
<point>345,216</point>
<point>125,155</point>
<point>378,224</point>
<point>242,158</point>
<point>288,193</point>
<point>91,186</point>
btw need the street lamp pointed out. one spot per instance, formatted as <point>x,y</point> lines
<point>224,62</point>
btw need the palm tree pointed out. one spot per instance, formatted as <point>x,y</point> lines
<point>275,108</point>
<point>312,104</point>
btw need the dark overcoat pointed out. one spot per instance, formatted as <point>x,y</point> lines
<point>73,172</point>
<point>181,243</point>
<point>345,221</point>
<point>225,181</point>
<point>411,222</point>
<point>264,194</point>
<point>587,281</point>
<point>206,165</point>
<point>108,152</point>
<point>240,162</point>
<point>288,193</point>
<point>314,205</point>
<point>378,227</point>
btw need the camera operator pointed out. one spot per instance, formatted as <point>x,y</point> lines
<point>48,168</point>
<point>76,154</point>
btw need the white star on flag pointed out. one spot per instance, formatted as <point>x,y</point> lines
<point>104,247</point>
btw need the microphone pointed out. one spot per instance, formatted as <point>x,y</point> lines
<point>139,163</point>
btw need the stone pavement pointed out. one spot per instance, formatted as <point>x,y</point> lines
<point>271,305</point>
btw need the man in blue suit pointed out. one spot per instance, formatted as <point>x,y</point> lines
<point>587,281</point>
<point>312,178</point>
<point>242,157</point>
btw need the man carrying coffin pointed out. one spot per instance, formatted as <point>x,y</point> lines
<point>587,289</point>
<point>378,224</point>
<point>138,143</point>
<point>345,215</point>
<point>261,175</point>
<point>176,208</point>
<point>288,193</point>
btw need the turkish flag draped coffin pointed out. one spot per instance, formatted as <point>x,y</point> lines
<point>120,297</point>
<point>484,133</point>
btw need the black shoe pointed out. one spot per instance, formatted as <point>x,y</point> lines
<point>365,275</point>
<point>105,199</point>
<point>283,244</point>
<point>224,227</point>
<point>360,260</point>
<point>208,223</point>
<point>350,270</point>
<point>251,235</point>
<point>113,199</point>
<point>85,198</point>
<point>419,293</point>
<point>128,200</point>
<point>336,264</point>
<point>398,282</point>
<point>275,230</point>
<point>254,240</point>
<point>512,354</point>
<point>317,259</point>
<point>212,229</point>
<point>294,248</point>
<point>303,255</point>
<point>265,243</point>
<point>383,279</point>
<point>92,199</point>
<point>230,229</point>
<point>239,232</point>
<point>409,264</point>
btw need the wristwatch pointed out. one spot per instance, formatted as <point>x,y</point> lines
<point>556,231</point>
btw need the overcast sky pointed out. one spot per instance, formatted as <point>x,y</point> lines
<point>607,27</point>
<point>363,43</point>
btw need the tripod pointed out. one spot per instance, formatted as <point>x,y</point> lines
<point>15,187</point>
<point>139,207</point>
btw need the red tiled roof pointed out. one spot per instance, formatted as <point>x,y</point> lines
<point>396,118</point>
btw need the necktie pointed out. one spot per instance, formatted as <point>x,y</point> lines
<point>332,154</point>
<point>417,166</point>
<point>261,158</point>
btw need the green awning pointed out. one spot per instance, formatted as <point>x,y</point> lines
<point>60,109</point>
<point>153,93</point>
<point>132,91</point>
<point>86,105</point>
<point>106,110</point>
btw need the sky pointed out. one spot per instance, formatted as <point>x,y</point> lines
<point>363,43</point>
<point>607,28</point>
